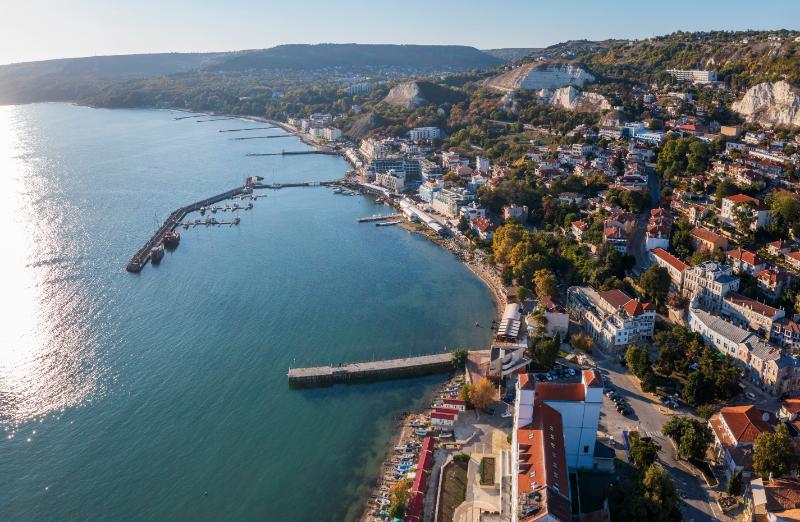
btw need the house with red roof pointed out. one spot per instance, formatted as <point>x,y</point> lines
<point>778,248</point>
<point>442,419</point>
<point>730,204</point>
<point>555,431</point>
<point>579,228</point>
<point>612,318</point>
<point>703,238</point>
<point>674,266</point>
<point>776,499</point>
<point>771,281</point>
<point>735,431</point>
<point>793,259</point>
<point>745,261</point>
<point>483,227</point>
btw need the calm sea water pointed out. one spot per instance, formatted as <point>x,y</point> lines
<point>163,395</point>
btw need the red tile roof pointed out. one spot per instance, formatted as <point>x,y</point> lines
<point>743,198</point>
<point>783,498</point>
<point>745,256</point>
<point>560,391</point>
<point>744,422</point>
<point>791,405</point>
<point>526,382</point>
<point>544,462</point>
<point>449,411</point>
<point>444,416</point>
<point>756,306</point>
<point>668,258</point>
<point>592,379</point>
<point>705,234</point>
<point>616,298</point>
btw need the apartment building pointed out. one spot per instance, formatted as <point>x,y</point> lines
<point>555,431</point>
<point>693,75</point>
<point>612,318</point>
<point>424,133</point>
<point>749,313</point>
<point>709,282</point>
<point>392,180</point>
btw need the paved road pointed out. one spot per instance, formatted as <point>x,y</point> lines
<point>648,418</point>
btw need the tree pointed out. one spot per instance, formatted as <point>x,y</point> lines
<point>460,359</point>
<point>655,283</point>
<point>637,360</point>
<point>509,241</point>
<point>744,215</point>
<point>483,394</point>
<point>682,156</point>
<point>643,451</point>
<point>399,495</point>
<point>545,283</point>
<point>773,453</point>
<point>691,436</point>
<point>660,491</point>
<point>581,342</point>
<point>706,410</point>
<point>544,351</point>
<point>698,389</point>
<point>522,294</point>
<point>466,395</point>
<point>735,484</point>
<point>785,207</point>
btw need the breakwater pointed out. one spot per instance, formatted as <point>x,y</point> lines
<point>371,371</point>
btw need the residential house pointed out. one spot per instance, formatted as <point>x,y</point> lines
<point>793,259</point>
<point>659,228</point>
<point>779,248</point>
<point>760,211</point>
<point>672,264</point>
<point>775,500</point>
<point>771,281</point>
<point>703,238</point>
<point>745,261</point>
<point>520,213</point>
<point>483,227</point>
<point>757,316</point>
<point>579,228</point>
<point>735,431</point>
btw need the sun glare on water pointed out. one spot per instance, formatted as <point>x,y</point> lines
<point>45,361</point>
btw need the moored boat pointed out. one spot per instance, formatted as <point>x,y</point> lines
<point>156,253</point>
<point>171,239</point>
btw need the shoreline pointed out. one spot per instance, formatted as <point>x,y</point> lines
<point>482,271</point>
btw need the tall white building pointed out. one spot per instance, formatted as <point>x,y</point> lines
<point>693,75</point>
<point>555,431</point>
<point>424,133</point>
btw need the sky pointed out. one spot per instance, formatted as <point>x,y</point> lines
<point>43,29</point>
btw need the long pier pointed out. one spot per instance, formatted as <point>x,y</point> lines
<point>142,256</point>
<point>293,153</point>
<point>263,137</point>
<point>249,129</point>
<point>371,371</point>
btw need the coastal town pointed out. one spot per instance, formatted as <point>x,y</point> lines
<point>644,360</point>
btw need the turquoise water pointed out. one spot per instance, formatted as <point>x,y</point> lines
<point>163,395</point>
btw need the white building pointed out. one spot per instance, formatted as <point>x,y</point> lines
<point>761,216</point>
<point>735,430</point>
<point>709,282</point>
<point>482,164</point>
<point>555,431</point>
<point>424,133</point>
<point>672,264</point>
<point>394,181</point>
<point>612,318</point>
<point>749,313</point>
<point>372,149</point>
<point>331,134</point>
<point>694,75</point>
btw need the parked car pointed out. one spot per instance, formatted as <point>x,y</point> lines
<point>750,395</point>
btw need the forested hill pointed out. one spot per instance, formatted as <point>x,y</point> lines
<point>298,57</point>
<point>78,79</point>
<point>742,58</point>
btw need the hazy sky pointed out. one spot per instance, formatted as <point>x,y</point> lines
<point>40,29</point>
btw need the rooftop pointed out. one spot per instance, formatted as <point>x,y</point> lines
<point>668,258</point>
<point>751,304</point>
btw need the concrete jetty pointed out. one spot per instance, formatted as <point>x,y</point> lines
<point>293,153</point>
<point>371,371</point>
<point>249,129</point>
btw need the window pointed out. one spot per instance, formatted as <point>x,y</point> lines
<point>586,449</point>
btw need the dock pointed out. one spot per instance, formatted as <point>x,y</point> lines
<point>293,153</point>
<point>249,129</point>
<point>378,217</point>
<point>175,219</point>
<point>371,371</point>
<point>263,137</point>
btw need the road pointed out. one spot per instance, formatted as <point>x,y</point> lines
<point>648,418</point>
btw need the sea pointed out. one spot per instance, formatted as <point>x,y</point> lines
<point>163,395</point>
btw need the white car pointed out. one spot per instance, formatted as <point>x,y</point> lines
<point>750,395</point>
<point>507,415</point>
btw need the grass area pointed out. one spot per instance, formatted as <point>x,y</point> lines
<point>454,488</point>
<point>487,471</point>
<point>593,485</point>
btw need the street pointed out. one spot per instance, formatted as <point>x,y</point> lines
<point>648,418</point>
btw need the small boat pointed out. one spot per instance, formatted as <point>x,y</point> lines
<point>421,433</point>
<point>185,225</point>
<point>202,210</point>
<point>156,253</point>
<point>248,206</point>
<point>236,220</point>
<point>171,239</point>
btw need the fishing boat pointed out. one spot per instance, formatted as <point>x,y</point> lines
<point>171,239</point>
<point>236,220</point>
<point>156,253</point>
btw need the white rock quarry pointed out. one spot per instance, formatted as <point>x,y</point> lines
<point>771,104</point>
<point>572,99</point>
<point>406,96</point>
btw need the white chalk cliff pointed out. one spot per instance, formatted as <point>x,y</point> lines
<point>536,76</point>
<point>572,99</point>
<point>770,104</point>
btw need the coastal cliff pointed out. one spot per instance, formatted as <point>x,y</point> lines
<point>412,95</point>
<point>771,104</point>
